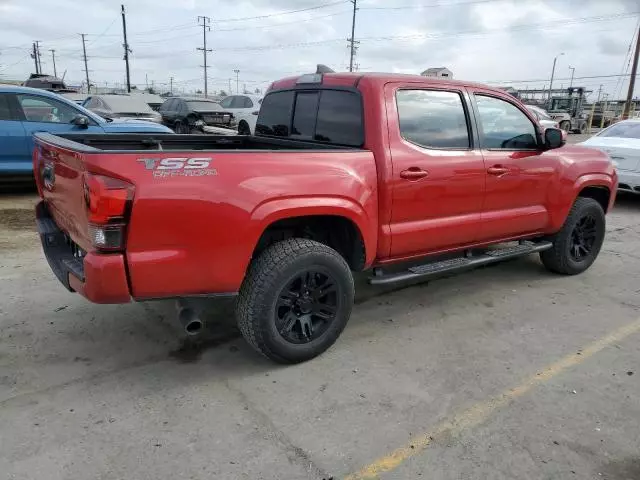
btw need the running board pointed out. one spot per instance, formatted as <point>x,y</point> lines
<point>460,263</point>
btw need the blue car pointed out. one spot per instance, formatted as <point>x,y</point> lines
<point>24,111</point>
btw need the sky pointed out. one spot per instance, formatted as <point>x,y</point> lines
<point>501,42</point>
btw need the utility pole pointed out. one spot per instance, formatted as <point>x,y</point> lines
<point>352,40</point>
<point>53,57</point>
<point>84,54</point>
<point>39,56</point>
<point>230,91</point>
<point>553,71</point>
<point>244,88</point>
<point>205,27</point>
<point>34,55</point>
<point>632,79</point>
<point>127,50</point>
<point>593,108</point>
<point>573,71</point>
<point>604,109</point>
<point>171,85</point>
<point>237,72</point>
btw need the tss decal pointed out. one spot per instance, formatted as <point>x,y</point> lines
<point>179,166</point>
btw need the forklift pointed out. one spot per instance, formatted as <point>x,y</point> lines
<point>567,110</point>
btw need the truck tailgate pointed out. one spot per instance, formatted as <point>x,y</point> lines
<point>59,174</point>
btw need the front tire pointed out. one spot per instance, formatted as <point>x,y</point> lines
<point>295,300</point>
<point>565,125</point>
<point>577,244</point>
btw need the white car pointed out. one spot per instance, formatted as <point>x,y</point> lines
<point>543,117</point>
<point>621,141</point>
<point>245,109</point>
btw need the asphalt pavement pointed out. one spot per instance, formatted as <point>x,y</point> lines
<point>507,372</point>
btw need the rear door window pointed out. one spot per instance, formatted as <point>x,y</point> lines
<point>275,114</point>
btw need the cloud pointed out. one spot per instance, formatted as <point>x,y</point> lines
<point>482,40</point>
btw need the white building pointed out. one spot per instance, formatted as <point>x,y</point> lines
<point>441,72</point>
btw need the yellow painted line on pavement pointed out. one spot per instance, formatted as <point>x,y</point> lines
<point>478,413</point>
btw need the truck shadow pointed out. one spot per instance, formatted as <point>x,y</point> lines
<point>221,331</point>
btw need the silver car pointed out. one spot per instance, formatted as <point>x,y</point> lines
<point>543,117</point>
<point>121,107</point>
<point>621,141</point>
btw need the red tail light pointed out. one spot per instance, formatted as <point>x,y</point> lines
<point>108,202</point>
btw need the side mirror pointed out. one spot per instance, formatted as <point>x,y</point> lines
<point>554,138</point>
<point>80,121</point>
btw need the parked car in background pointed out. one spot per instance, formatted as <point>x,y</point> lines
<point>75,97</point>
<point>151,99</point>
<point>117,106</point>
<point>621,142</point>
<point>245,109</point>
<point>24,111</point>
<point>543,117</point>
<point>192,114</point>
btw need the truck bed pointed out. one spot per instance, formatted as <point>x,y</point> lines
<point>136,142</point>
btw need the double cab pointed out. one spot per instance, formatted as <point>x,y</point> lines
<point>346,172</point>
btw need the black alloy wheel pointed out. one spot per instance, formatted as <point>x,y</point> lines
<point>306,306</point>
<point>583,238</point>
<point>577,244</point>
<point>295,300</point>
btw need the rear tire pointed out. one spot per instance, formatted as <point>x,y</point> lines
<point>179,128</point>
<point>577,244</point>
<point>243,129</point>
<point>295,300</point>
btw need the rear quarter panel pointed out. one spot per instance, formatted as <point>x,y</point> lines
<point>195,235</point>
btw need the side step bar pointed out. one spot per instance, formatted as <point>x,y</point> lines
<point>460,263</point>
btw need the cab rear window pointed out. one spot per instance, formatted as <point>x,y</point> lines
<point>327,116</point>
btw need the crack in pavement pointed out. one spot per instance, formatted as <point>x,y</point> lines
<point>294,453</point>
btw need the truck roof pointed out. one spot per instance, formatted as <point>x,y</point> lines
<point>352,79</point>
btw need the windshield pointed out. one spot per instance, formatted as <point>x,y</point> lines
<point>126,103</point>
<point>622,130</point>
<point>203,105</point>
<point>540,113</point>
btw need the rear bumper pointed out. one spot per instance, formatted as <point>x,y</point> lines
<point>101,278</point>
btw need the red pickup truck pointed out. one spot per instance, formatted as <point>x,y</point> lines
<point>346,172</point>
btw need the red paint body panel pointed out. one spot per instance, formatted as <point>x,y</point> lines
<point>196,235</point>
<point>105,279</point>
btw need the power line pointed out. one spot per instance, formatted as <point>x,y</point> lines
<point>275,25</point>
<point>564,22</point>
<point>431,5</point>
<point>242,19</point>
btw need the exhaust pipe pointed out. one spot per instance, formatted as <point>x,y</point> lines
<point>189,319</point>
